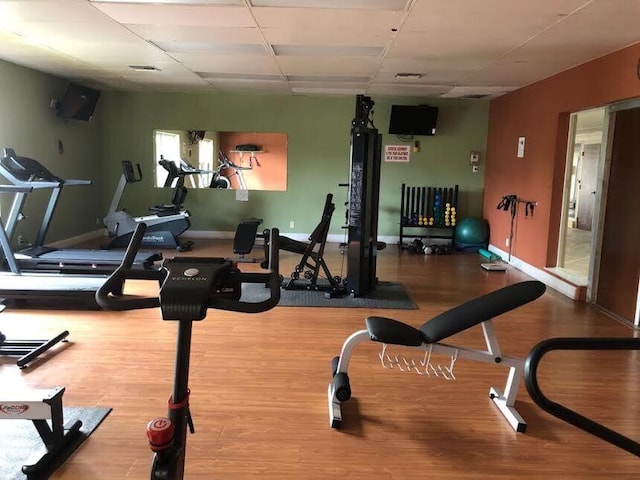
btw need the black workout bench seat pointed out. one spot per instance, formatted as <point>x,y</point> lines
<point>457,319</point>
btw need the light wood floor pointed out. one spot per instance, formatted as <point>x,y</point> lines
<point>259,385</point>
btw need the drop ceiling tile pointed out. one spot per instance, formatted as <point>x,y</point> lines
<point>170,33</point>
<point>327,90</point>
<point>65,11</point>
<point>270,87</point>
<point>361,86</point>
<point>470,43</point>
<point>329,19</point>
<point>397,5</point>
<point>228,63</point>
<point>310,35</point>
<point>442,67</point>
<point>162,14</point>
<point>460,48</point>
<point>575,41</point>
<point>458,92</point>
<point>184,2</point>
<point>512,73</point>
<point>215,48</point>
<point>408,90</point>
<point>477,18</point>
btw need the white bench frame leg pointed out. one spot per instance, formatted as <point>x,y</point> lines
<point>504,400</point>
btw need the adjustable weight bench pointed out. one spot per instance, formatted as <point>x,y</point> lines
<point>427,339</point>
<point>245,239</point>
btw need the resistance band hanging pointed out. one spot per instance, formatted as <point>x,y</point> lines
<point>509,203</point>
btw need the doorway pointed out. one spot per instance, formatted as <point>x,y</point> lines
<point>581,190</point>
<point>618,273</point>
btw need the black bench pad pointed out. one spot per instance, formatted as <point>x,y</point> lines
<point>457,319</point>
<point>290,245</point>
<point>246,235</point>
<point>480,309</point>
<point>387,330</point>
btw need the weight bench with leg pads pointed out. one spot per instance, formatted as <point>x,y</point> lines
<point>44,409</point>
<point>312,263</point>
<point>427,338</point>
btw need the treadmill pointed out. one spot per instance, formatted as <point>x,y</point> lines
<point>29,174</point>
<point>41,288</point>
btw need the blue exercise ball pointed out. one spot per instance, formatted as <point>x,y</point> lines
<point>472,231</point>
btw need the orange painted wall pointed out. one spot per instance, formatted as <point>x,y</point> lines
<point>272,172</point>
<point>540,112</point>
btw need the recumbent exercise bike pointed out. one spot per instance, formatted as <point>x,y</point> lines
<point>189,287</point>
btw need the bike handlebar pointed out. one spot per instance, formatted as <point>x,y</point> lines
<point>190,285</point>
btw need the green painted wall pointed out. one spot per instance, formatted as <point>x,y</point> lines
<point>318,131</point>
<point>28,125</point>
<point>318,137</point>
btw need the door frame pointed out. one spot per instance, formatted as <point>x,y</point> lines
<point>566,192</point>
<point>601,200</point>
<point>601,180</point>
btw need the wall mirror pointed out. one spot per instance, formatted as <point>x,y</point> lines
<point>220,160</point>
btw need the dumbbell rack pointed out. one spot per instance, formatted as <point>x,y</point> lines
<point>423,210</point>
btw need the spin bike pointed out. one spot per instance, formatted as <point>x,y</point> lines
<point>189,286</point>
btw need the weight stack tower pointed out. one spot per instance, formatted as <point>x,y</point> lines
<point>364,188</point>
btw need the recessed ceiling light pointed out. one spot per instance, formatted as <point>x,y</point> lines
<point>211,47</point>
<point>327,50</point>
<point>393,5</point>
<point>238,76</point>
<point>413,76</point>
<point>176,2</point>
<point>144,68</point>
<point>328,78</point>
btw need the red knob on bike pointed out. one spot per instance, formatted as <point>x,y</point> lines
<point>160,434</point>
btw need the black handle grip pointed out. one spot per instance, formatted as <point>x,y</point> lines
<point>110,295</point>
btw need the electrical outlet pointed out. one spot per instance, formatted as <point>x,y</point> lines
<point>21,240</point>
<point>292,224</point>
<point>506,242</point>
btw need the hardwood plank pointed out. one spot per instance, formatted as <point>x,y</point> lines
<point>259,387</point>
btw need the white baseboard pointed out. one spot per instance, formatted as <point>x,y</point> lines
<point>566,288</point>
<point>215,235</point>
<point>85,237</point>
<point>303,237</point>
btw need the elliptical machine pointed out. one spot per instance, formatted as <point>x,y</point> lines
<point>189,287</point>
<point>165,223</point>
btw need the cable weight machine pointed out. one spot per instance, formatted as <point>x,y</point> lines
<point>364,189</point>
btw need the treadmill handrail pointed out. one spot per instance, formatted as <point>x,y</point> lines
<point>564,413</point>
<point>15,189</point>
<point>75,181</point>
<point>39,184</point>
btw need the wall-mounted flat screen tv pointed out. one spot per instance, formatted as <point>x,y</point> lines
<point>78,103</point>
<point>413,120</point>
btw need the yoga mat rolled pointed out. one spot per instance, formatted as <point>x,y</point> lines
<point>488,255</point>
